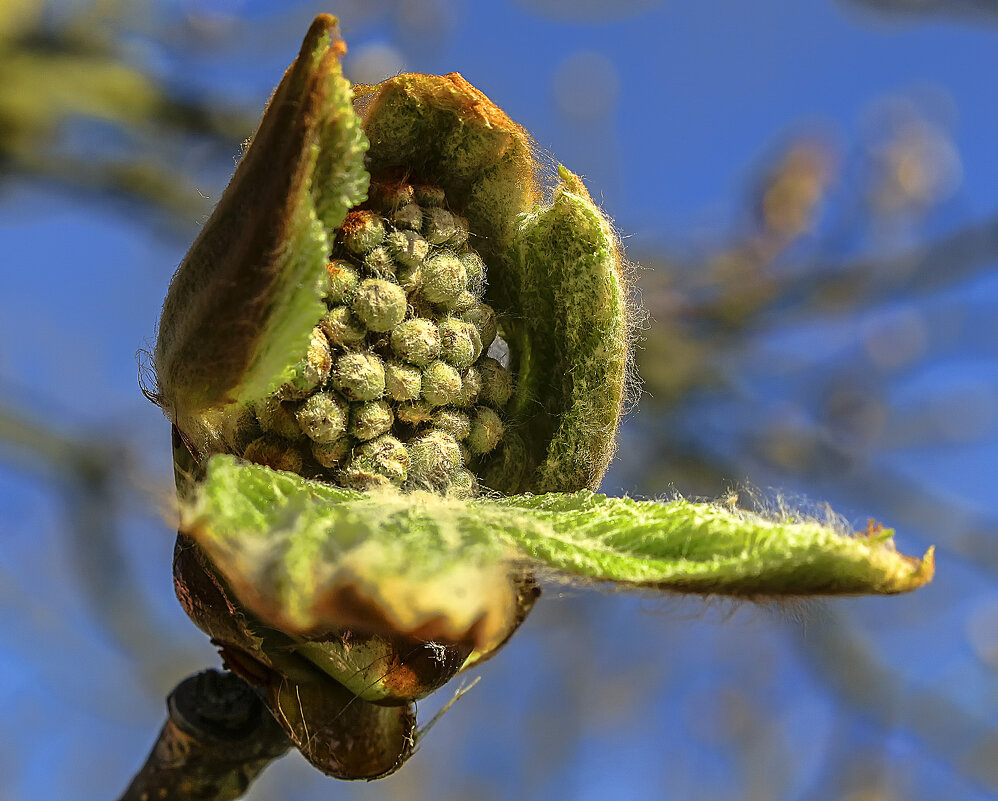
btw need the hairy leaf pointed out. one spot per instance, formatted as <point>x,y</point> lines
<point>306,557</point>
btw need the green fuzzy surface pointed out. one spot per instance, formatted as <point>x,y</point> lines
<point>286,544</point>
<point>571,336</point>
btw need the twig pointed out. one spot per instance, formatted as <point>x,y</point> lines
<point>216,741</point>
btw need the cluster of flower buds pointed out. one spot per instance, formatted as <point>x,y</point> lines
<point>334,321</point>
<point>397,387</point>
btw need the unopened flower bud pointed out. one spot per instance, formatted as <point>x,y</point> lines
<point>483,317</point>
<point>416,341</point>
<point>463,303</point>
<point>410,278</point>
<point>408,217</point>
<point>371,419</point>
<point>439,226</point>
<point>486,430</point>
<point>471,387</point>
<point>379,263</point>
<point>444,278</point>
<point>274,452</point>
<point>332,454</point>
<point>475,269</point>
<point>460,343</point>
<point>429,195</point>
<point>312,371</point>
<point>385,455</point>
<point>245,429</point>
<point>342,328</point>
<point>453,422</point>
<point>362,476</point>
<point>323,417</point>
<point>497,383</point>
<point>390,195</point>
<point>359,376</point>
<point>403,382</point>
<point>432,457</point>
<point>462,484</point>
<point>441,383</point>
<point>460,235</point>
<point>362,231</point>
<point>342,280</point>
<point>379,304</point>
<point>408,248</point>
<point>415,414</point>
<point>278,417</point>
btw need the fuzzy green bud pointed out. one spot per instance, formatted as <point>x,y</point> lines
<point>444,279</point>
<point>379,304</point>
<point>359,376</point>
<point>486,431</point>
<point>439,226</point>
<point>278,417</point>
<point>460,343</point>
<point>497,383</point>
<point>361,475</point>
<point>441,383</point>
<point>362,231</point>
<point>274,452</point>
<point>483,317</point>
<point>408,248</point>
<point>379,263</point>
<point>463,303</point>
<point>429,195</point>
<point>455,423</point>
<point>313,370</point>
<point>387,456</point>
<point>371,419</point>
<point>410,278</point>
<point>390,195</point>
<point>433,456</point>
<point>460,235</point>
<point>462,484</point>
<point>341,281</point>
<point>415,414</point>
<point>475,268</point>
<point>416,341</point>
<point>332,454</point>
<point>323,417</point>
<point>403,382</point>
<point>342,328</point>
<point>408,217</point>
<point>471,387</point>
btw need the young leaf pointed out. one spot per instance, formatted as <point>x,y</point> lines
<point>306,557</point>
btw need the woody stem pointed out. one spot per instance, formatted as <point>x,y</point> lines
<point>217,739</point>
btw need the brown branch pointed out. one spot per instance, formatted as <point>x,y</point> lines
<point>216,741</point>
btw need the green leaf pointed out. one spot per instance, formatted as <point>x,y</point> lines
<point>306,557</point>
<point>241,308</point>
